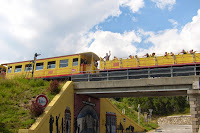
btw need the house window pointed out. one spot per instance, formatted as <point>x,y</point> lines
<point>39,66</point>
<point>18,68</point>
<point>63,63</point>
<point>9,69</point>
<point>51,64</point>
<point>75,62</point>
<point>28,67</point>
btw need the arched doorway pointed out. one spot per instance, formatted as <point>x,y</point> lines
<point>87,120</point>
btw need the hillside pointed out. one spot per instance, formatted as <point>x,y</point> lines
<point>15,99</point>
<point>131,113</point>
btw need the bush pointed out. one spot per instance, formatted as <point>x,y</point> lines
<point>54,87</point>
<point>36,109</point>
<point>160,105</point>
<point>36,82</point>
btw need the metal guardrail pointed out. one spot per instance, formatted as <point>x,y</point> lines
<point>171,71</point>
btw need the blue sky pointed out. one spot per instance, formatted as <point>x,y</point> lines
<point>124,27</point>
<point>151,18</point>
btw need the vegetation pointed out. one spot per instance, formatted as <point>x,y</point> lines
<point>131,113</point>
<point>162,106</point>
<point>36,109</point>
<point>16,96</point>
<point>2,68</point>
<point>54,87</point>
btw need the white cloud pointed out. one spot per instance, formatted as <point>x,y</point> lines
<point>15,19</point>
<point>61,27</point>
<point>134,19</point>
<point>5,50</point>
<point>134,5</point>
<point>173,22</point>
<point>54,27</point>
<point>30,26</point>
<point>175,40</point>
<point>162,4</point>
<point>120,45</point>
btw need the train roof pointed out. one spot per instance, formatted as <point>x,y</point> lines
<point>87,54</point>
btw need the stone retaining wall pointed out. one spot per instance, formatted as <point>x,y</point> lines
<point>177,120</point>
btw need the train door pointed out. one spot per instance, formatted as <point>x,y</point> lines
<point>110,122</point>
<point>75,65</point>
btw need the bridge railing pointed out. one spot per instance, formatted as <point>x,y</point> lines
<point>171,71</point>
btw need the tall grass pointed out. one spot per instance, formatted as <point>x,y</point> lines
<point>15,99</point>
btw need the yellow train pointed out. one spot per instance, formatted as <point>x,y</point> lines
<point>155,61</point>
<point>78,64</point>
<point>55,67</point>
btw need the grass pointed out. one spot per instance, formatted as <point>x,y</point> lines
<point>131,113</point>
<point>15,99</point>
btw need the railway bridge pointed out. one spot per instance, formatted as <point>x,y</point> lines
<point>147,87</point>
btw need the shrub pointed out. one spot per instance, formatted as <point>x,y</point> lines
<point>36,109</point>
<point>36,82</point>
<point>54,87</point>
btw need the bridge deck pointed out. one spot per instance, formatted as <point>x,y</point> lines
<point>157,72</point>
<point>165,86</point>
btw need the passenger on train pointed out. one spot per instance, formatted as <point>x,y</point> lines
<point>136,56</point>
<point>85,61</point>
<point>82,61</point>
<point>96,64</point>
<point>153,54</point>
<point>107,56</point>
<point>172,54</point>
<point>130,56</point>
<point>183,52</point>
<point>166,54</point>
<point>146,55</point>
<point>115,58</point>
<point>192,52</point>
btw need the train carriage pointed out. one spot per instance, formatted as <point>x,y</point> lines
<point>145,62</point>
<point>55,67</point>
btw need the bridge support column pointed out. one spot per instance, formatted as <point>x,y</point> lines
<point>194,98</point>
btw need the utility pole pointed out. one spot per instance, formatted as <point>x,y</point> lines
<point>139,111</point>
<point>150,111</point>
<point>34,61</point>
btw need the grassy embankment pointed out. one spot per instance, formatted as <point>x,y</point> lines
<point>15,100</point>
<point>131,113</point>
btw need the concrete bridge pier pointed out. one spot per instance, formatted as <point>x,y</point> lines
<point>194,99</point>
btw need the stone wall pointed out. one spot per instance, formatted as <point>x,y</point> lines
<point>177,120</point>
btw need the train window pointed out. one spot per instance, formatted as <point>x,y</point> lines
<point>28,67</point>
<point>18,68</point>
<point>9,69</point>
<point>63,63</point>
<point>75,62</point>
<point>51,64</point>
<point>39,66</point>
